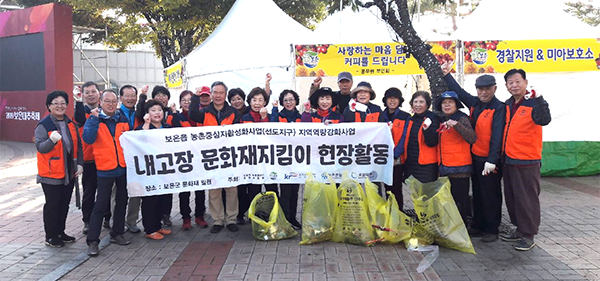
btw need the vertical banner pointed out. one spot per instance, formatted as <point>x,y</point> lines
<point>561,55</point>
<point>365,59</point>
<point>174,75</point>
<point>196,158</point>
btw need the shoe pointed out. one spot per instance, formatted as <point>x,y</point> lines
<point>489,237</point>
<point>54,242</point>
<point>66,238</point>
<point>233,227</point>
<point>155,236</point>
<point>93,249</point>
<point>474,232</point>
<point>511,237</point>
<point>187,224</point>
<point>167,220</point>
<point>201,222</point>
<point>164,231</point>
<point>216,228</point>
<point>106,223</point>
<point>86,228</point>
<point>120,239</point>
<point>525,244</point>
<point>133,228</point>
<point>241,221</point>
<point>295,224</point>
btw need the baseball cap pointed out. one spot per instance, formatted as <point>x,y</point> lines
<point>485,80</point>
<point>344,75</point>
<point>205,90</point>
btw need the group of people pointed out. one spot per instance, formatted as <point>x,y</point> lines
<point>495,139</point>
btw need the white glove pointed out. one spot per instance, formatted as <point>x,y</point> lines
<point>426,123</point>
<point>79,170</point>
<point>532,94</point>
<point>488,168</point>
<point>397,161</point>
<point>55,136</point>
<point>77,94</point>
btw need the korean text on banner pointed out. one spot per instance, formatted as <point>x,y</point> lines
<point>365,59</point>
<point>560,55</point>
<point>174,75</point>
<point>196,158</point>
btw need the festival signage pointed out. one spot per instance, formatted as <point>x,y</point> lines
<point>365,59</point>
<point>496,56</point>
<point>174,75</point>
<point>197,158</point>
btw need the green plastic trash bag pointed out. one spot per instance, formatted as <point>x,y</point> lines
<point>268,220</point>
<point>352,223</point>
<point>318,210</point>
<point>438,215</point>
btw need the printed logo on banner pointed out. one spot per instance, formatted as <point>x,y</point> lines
<point>290,175</point>
<point>372,175</point>
<point>273,175</point>
<point>479,56</point>
<point>233,179</point>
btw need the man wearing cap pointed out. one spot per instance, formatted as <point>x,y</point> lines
<point>487,118</point>
<point>526,113</point>
<point>205,98</point>
<point>344,81</point>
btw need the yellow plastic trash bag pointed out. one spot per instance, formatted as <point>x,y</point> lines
<point>438,215</point>
<point>390,224</point>
<point>318,210</point>
<point>268,220</point>
<point>352,223</point>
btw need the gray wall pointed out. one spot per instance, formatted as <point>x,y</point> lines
<point>133,67</point>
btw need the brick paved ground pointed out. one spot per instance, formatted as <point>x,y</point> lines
<point>568,245</point>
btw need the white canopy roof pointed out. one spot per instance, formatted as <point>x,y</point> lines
<point>522,20</point>
<point>253,39</point>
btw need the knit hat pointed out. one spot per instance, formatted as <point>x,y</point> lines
<point>393,93</point>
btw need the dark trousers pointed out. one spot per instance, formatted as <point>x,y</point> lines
<point>89,181</point>
<point>167,205</point>
<point>460,192</point>
<point>152,212</point>
<point>246,193</point>
<point>184,204</point>
<point>521,192</point>
<point>56,207</point>
<point>396,187</point>
<point>289,200</point>
<point>272,187</point>
<point>105,185</point>
<point>487,199</point>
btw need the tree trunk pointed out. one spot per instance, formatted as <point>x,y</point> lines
<point>401,24</point>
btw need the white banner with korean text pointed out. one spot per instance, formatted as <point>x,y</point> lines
<point>164,161</point>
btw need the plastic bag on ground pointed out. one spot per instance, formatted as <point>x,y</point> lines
<point>318,211</point>
<point>352,223</point>
<point>268,221</point>
<point>393,225</point>
<point>438,215</point>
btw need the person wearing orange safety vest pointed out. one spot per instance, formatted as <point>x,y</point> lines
<point>289,192</point>
<point>397,120</point>
<point>185,98</point>
<point>102,130</point>
<point>218,113</point>
<point>420,147</point>
<point>360,108</point>
<point>454,149</point>
<point>86,99</point>
<point>526,113</point>
<point>487,115</point>
<point>59,162</point>
<point>161,94</point>
<point>322,101</point>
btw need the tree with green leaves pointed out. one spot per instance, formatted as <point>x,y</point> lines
<point>174,27</point>
<point>586,12</point>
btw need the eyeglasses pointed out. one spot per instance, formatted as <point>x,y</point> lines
<point>186,101</point>
<point>289,101</point>
<point>59,104</point>
<point>110,102</point>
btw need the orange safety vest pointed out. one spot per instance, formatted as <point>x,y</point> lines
<point>107,149</point>
<point>370,117</point>
<point>397,128</point>
<point>211,120</point>
<point>319,120</point>
<point>483,130</point>
<point>522,137</point>
<point>453,149</point>
<point>427,155</point>
<point>88,151</point>
<point>52,164</point>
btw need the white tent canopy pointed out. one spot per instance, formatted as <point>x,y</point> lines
<point>253,39</point>
<point>522,20</point>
